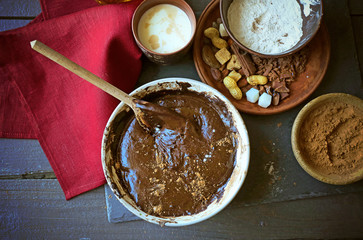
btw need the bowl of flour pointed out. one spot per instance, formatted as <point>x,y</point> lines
<point>271,28</point>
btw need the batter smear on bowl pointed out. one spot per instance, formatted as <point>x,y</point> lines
<point>171,173</point>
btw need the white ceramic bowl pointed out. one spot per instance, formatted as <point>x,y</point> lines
<point>235,182</point>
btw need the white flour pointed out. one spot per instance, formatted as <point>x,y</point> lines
<point>306,4</point>
<point>266,26</point>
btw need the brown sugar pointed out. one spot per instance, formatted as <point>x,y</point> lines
<point>331,138</point>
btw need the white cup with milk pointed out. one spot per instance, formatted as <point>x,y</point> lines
<point>164,30</point>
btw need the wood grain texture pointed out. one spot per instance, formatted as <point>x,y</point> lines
<point>197,6</point>
<point>356,7</point>
<point>343,62</point>
<point>357,23</point>
<point>36,209</point>
<point>19,8</point>
<point>20,156</point>
<point>17,13</point>
<point>8,24</point>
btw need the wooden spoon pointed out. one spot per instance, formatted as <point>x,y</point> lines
<point>151,117</point>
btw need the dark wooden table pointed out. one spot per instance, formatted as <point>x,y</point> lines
<point>281,202</point>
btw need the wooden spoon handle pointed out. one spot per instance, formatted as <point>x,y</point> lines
<point>82,72</point>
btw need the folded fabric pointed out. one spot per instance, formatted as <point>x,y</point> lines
<point>40,99</point>
<point>56,8</point>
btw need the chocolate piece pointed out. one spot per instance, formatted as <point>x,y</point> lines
<point>273,75</point>
<point>225,73</point>
<point>256,59</point>
<point>222,67</point>
<point>240,71</point>
<point>242,83</point>
<point>300,60</point>
<point>282,88</point>
<point>276,84</point>
<point>246,88</point>
<point>261,89</point>
<point>268,88</point>
<point>286,75</point>
<point>267,70</point>
<point>275,98</point>
<point>283,95</point>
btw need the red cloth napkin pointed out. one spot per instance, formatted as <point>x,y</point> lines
<point>40,99</point>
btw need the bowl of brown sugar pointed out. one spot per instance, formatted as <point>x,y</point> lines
<point>327,138</point>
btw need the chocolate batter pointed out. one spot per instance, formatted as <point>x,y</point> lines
<point>179,171</point>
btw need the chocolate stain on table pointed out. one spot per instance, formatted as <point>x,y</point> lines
<point>176,174</point>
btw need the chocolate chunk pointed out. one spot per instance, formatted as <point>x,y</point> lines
<point>222,67</point>
<point>242,83</point>
<point>256,59</point>
<point>286,75</point>
<point>240,71</point>
<point>276,84</point>
<point>225,73</point>
<point>267,70</point>
<point>283,95</point>
<point>246,88</point>
<point>282,88</point>
<point>268,89</point>
<point>275,98</point>
<point>273,75</point>
<point>261,89</point>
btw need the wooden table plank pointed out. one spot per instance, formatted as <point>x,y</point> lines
<point>357,22</point>
<point>19,8</point>
<point>17,13</point>
<point>20,157</point>
<point>356,7</point>
<point>8,24</point>
<point>36,209</point>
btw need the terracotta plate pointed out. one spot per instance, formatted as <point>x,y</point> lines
<point>304,85</point>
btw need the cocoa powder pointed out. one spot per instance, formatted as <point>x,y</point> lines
<point>331,138</point>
